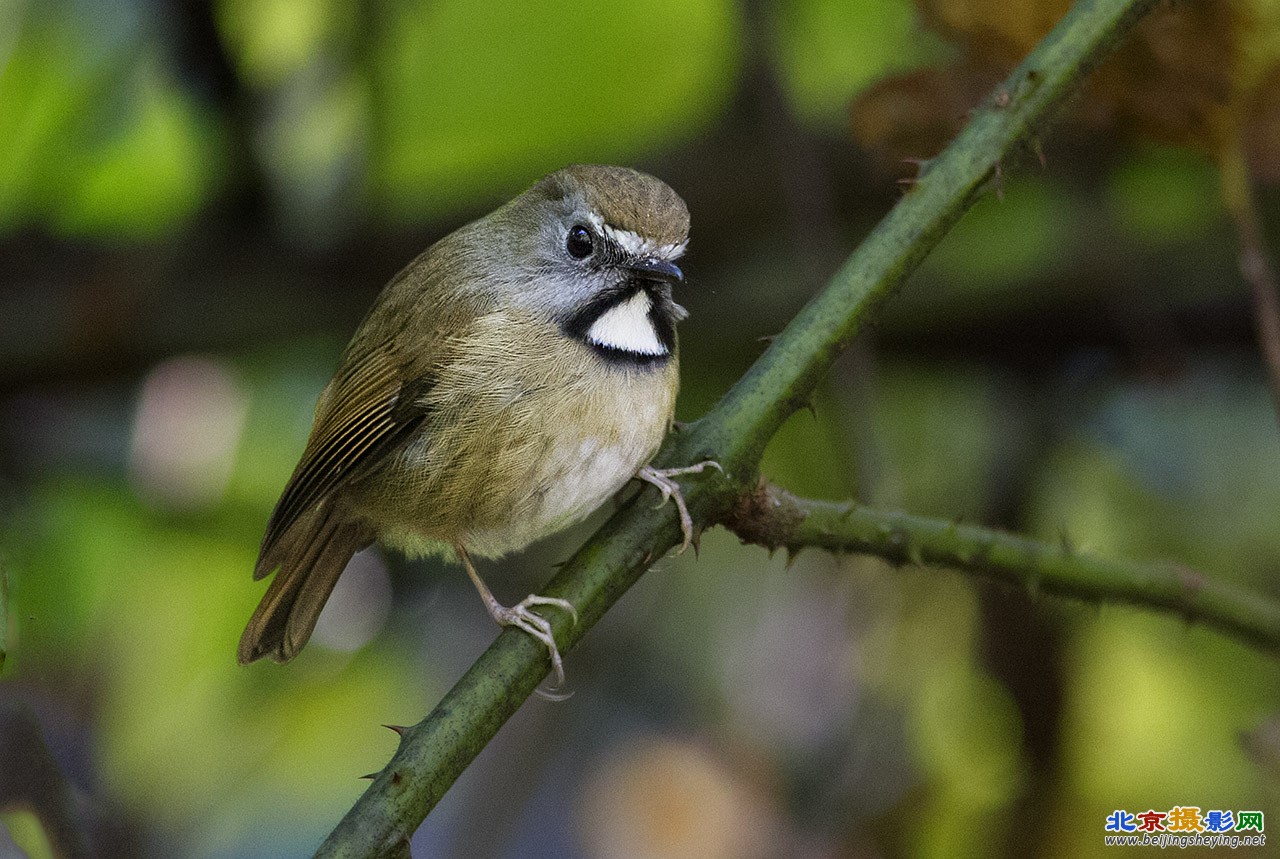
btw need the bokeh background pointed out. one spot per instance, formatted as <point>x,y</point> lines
<point>198,200</point>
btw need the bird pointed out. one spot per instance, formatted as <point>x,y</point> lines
<point>508,381</point>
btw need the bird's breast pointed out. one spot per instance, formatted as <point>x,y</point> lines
<point>532,431</point>
<point>590,439</point>
<point>585,466</point>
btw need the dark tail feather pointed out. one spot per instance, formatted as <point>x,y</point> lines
<point>310,556</point>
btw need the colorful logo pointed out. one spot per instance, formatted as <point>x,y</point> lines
<point>1186,826</point>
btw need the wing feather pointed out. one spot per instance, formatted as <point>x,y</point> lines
<point>369,410</point>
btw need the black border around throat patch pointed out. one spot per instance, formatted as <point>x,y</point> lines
<point>662,315</point>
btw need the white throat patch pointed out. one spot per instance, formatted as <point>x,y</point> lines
<point>626,326</point>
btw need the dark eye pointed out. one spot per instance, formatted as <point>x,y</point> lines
<point>579,242</point>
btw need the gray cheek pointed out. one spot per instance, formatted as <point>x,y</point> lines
<point>555,290</point>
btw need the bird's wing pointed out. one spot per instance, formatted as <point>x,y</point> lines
<point>370,408</point>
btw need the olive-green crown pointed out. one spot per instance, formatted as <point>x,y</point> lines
<point>627,200</point>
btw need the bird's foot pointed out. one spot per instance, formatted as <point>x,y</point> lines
<point>661,478</point>
<point>523,617</point>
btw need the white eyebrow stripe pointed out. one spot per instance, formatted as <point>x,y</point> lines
<point>628,241</point>
<point>674,251</point>
<point>637,245</point>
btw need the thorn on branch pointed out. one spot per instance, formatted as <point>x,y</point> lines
<point>922,167</point>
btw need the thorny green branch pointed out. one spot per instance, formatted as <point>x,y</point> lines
<point>434,752</point>
<point>776,519</point>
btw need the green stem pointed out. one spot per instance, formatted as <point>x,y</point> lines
<point>1010,120</point>
<point>776,519</point>
<point>434,752</point>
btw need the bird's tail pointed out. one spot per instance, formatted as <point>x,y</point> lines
<point>310,556</point>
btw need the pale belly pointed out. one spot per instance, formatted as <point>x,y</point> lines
<point>578,476</point>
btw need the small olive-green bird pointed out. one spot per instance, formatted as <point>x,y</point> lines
<point>506,383</point>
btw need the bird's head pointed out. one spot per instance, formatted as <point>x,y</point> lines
<point>600,246</point>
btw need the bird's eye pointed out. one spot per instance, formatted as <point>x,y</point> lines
<point>579,242</point>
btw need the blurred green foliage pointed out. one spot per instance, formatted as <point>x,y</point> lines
<point>27,834</point>
<point>96,135</point>
<point>1164,193</point>
<point>610,85</point>
<point>828,51</point>
<point>858,707</point>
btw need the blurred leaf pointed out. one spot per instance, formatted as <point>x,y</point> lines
<point>95,136</point>
<point>313,143</point>
<point>480,102</point>
<point>1141,728</point>
<point>27,833</point>
<point>42,88</point>
<point>150,174</point>
<point>149,610</point>
<point>1016,238</point>
<point>801,453</point>
<point>304,63</point>
<point>969,737</point>
<point>913,115</point>
<point>829,50</point>
<point>1014,27</point>
<point>943,434</point>
<point>272,39</point>
<point>1185,469</point>
<point>1170,82</point>
<point>1164,194</point>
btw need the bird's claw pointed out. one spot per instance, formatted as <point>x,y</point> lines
<point>522,617</point>
<point>670,489</point>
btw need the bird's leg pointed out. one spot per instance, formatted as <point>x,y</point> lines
<point>661,478</point>
<point>521,615</point>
